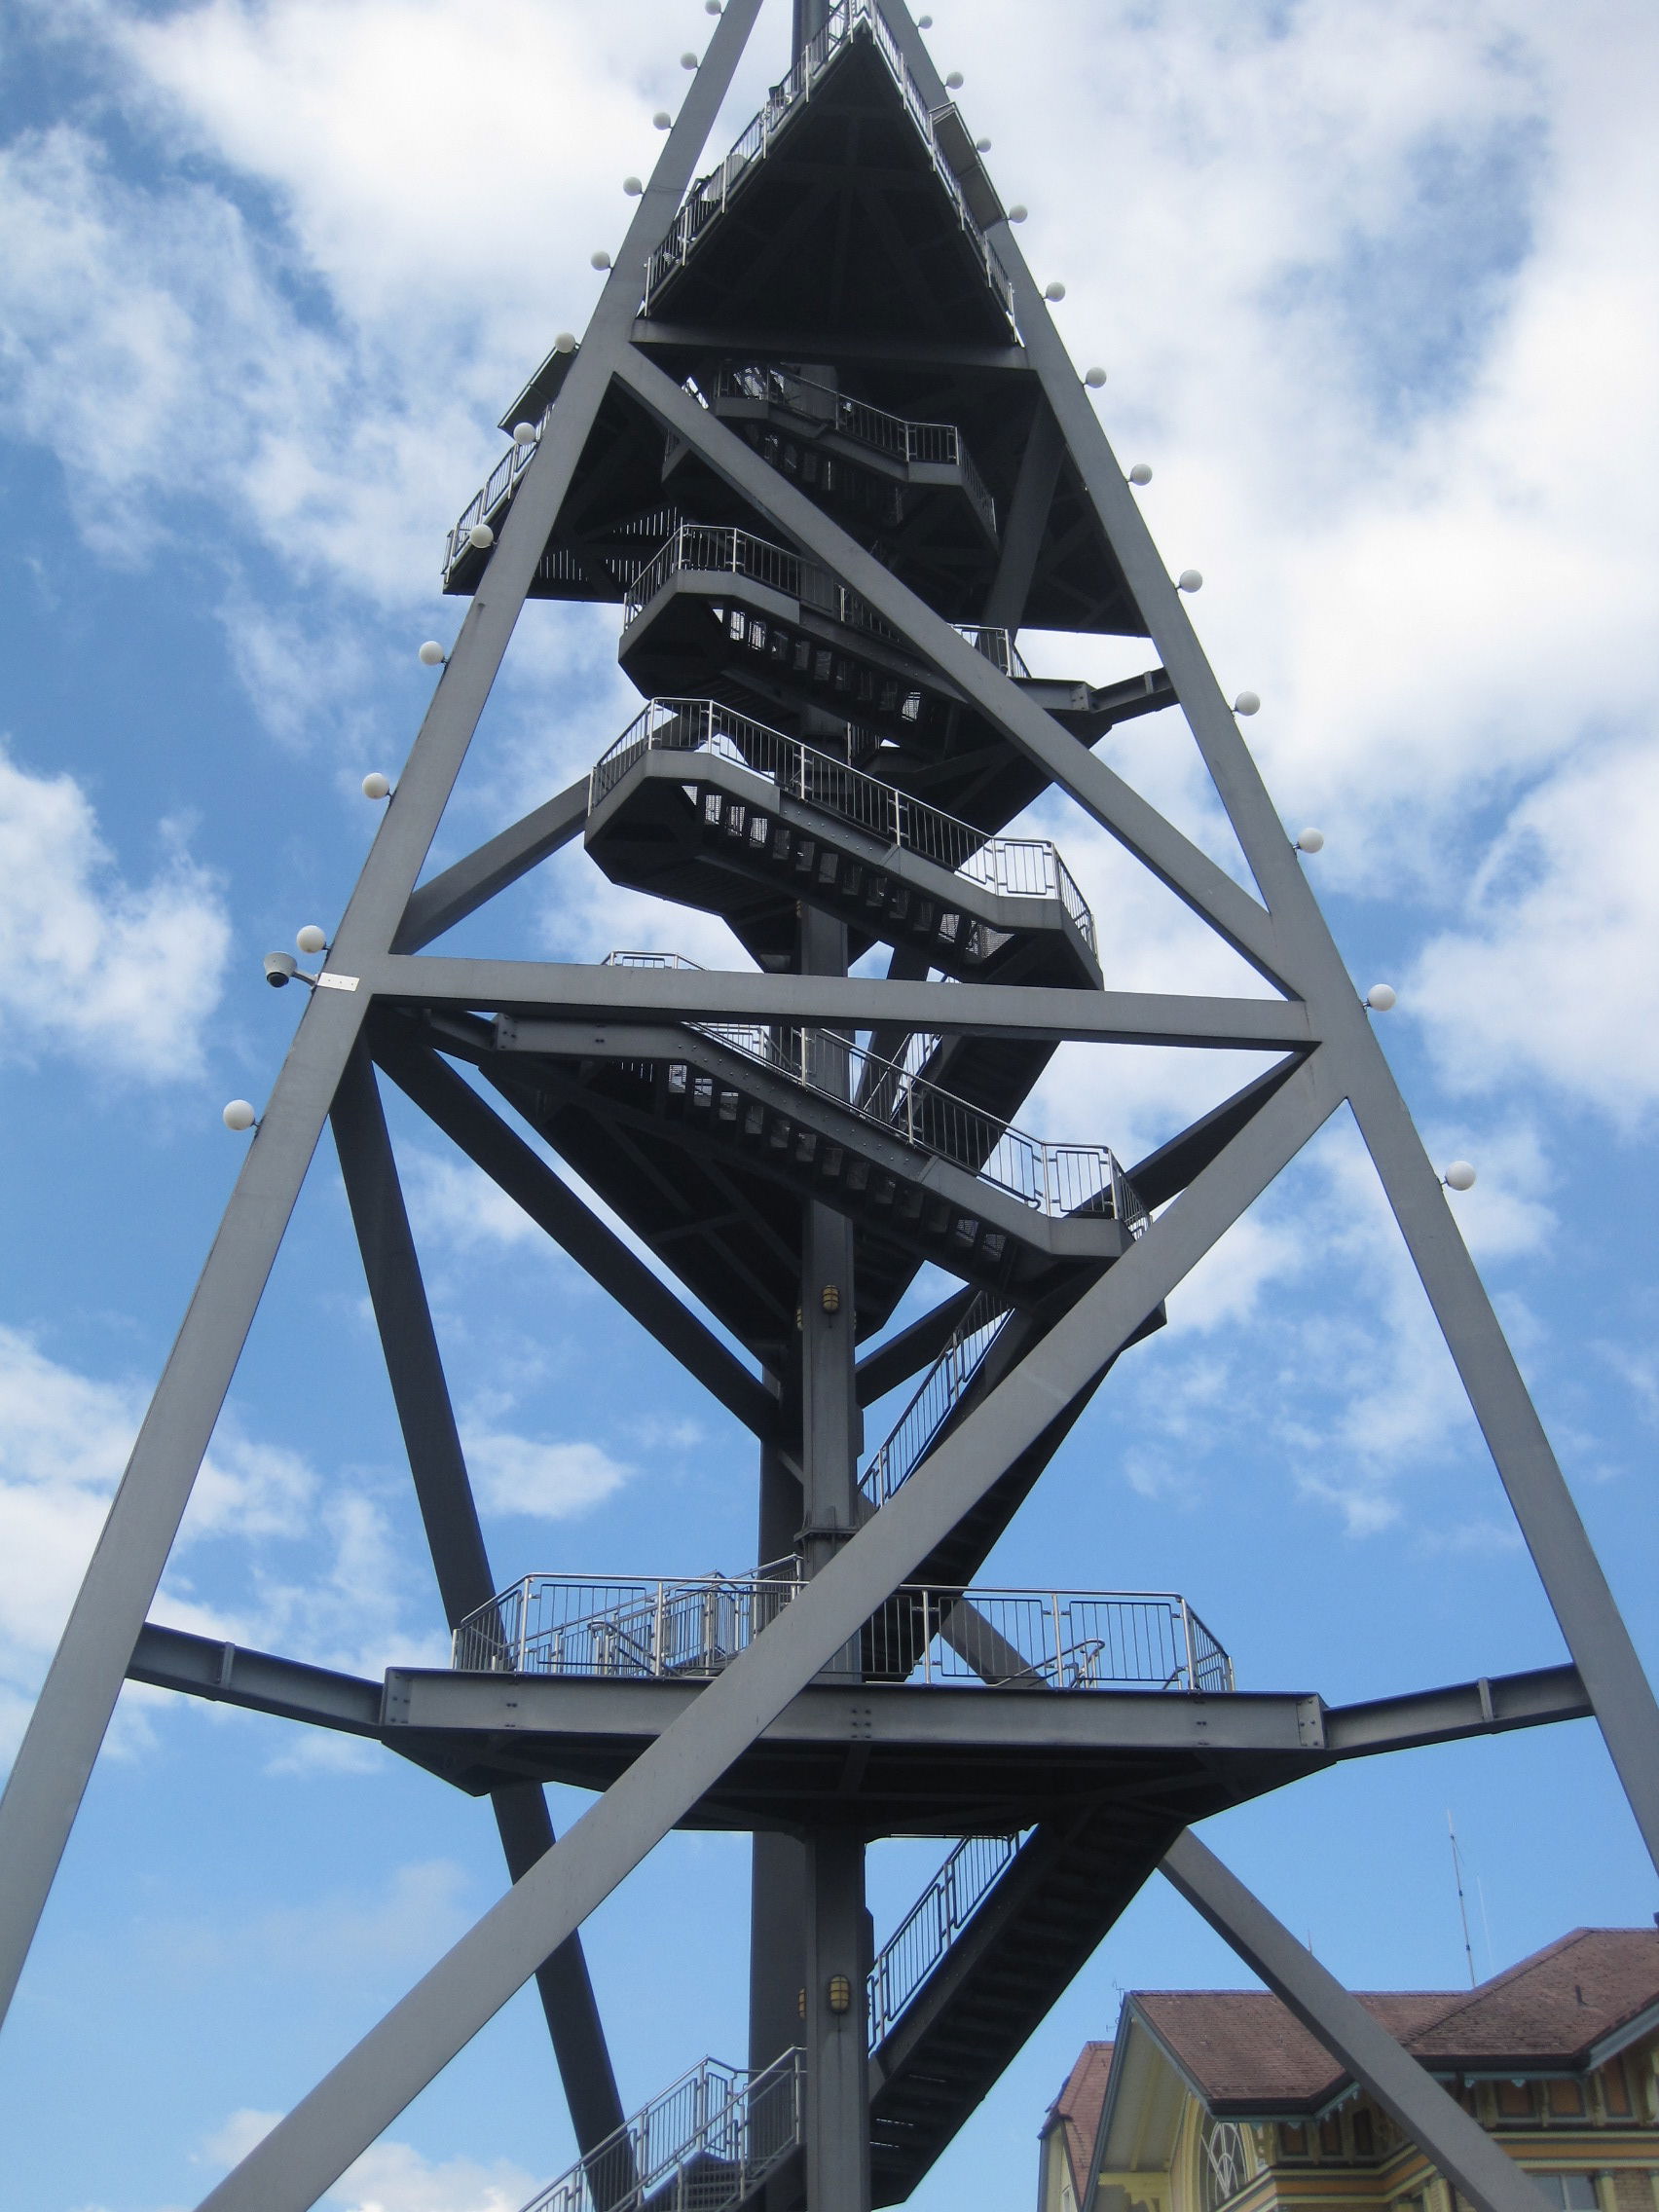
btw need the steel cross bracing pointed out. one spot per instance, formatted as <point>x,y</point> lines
<point>825,576</point>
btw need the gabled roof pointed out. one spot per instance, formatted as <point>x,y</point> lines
<point>1076,2111</point>
<point>1568,2006</point>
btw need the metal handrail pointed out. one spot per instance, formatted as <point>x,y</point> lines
<point>939,443</point>
<point>933,1924</point>
<point>1054,1180</point>
<point>722,550</point>
<point>645,1629</point>
<point>709,195</point>
<point>914,1432</point>
<point>705,2144</point>
<point>1026,867</point>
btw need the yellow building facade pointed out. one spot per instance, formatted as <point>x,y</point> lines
<point>1219,2101</point>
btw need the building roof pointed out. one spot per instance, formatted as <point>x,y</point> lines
<point>1243,2051</point>
<point>1076,2111</point>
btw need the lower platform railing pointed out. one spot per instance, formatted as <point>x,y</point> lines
<point>704,2145</point>
<point>644,1629</point>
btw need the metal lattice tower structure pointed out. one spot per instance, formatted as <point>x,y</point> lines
<point>822,445</point>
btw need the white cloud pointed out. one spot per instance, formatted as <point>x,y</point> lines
<point>547,1482</point>
<point>122,976</point>
<point>405,1921</point>
<point>297,1564</point>
<point>451,1200</point>
<point>391,2177</point>
<point>1551,971</point>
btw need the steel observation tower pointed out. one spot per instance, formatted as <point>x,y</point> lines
<point>823,449</point>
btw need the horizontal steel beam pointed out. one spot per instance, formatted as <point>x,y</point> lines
<point>200,1666</point>
<point>1489,1707</point>
<point>718,994</point>
<point>966,1717</point>
<point>653,334</point>
<point>937,1714</point>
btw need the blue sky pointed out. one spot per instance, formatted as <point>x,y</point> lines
<point>1373,285</point>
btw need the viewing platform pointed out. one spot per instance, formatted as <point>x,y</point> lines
<point>646,1630</point>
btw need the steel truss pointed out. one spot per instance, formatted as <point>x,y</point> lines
<point>389,1006</point>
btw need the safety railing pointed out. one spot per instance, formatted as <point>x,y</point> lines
<point>917,1428</point>
<point>638,1629</point>
<point>704,2145</point>
<point>709,195</point>
<point>933,1924</point>
<point>938,443</point>
<point>1023,867</point>
<point>486,503</point>
<point>715,550</point>
<point>1051,1179</point>
<point>719,550</point>
<point>556,1624</point>
<point>998,647</point>
<point>1044,1638</point>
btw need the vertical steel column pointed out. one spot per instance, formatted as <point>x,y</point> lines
<point>777,1907</point>
<point>837,1942</point>
<point>839,1957</point>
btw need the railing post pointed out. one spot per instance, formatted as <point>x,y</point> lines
<point>657,1624</point>
<point>524,1622</point>
<point>1054,1615</point>
<point>1187,1626</point>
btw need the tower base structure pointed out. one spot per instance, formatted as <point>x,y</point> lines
<point>823,446</point>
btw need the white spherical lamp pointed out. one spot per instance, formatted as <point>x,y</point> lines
<point>600,259</point>
<point>953,83</point>
<point>311,939</point>
<point>1140,473</point>
<point>1247,703</point>
<point>524,433</point>
<point>1190,579</point>
<point>632,186</point>
<point>710,6</point>
<point>238,1114</point>
<point>1459,1176</point>
<point>662,120</point>
<point>981,145</point>
<point>1382,998</point>
<point>687,61</point>
<point>1017,213</point>
<point>376,785</point>
<point>1094,378</point>
<point>431,654</point>
<point>1310,841</point>
<point>924,22</point>
<point>1054,292</point>
<point>480,537</point>
<point>564,343</point>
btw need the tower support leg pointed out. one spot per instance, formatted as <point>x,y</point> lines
<point>838,2030</point>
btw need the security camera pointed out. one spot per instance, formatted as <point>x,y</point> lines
<point>279,968</point>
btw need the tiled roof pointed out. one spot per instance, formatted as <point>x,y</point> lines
<point>1076,2110</point>
<point>1246,2052</point>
